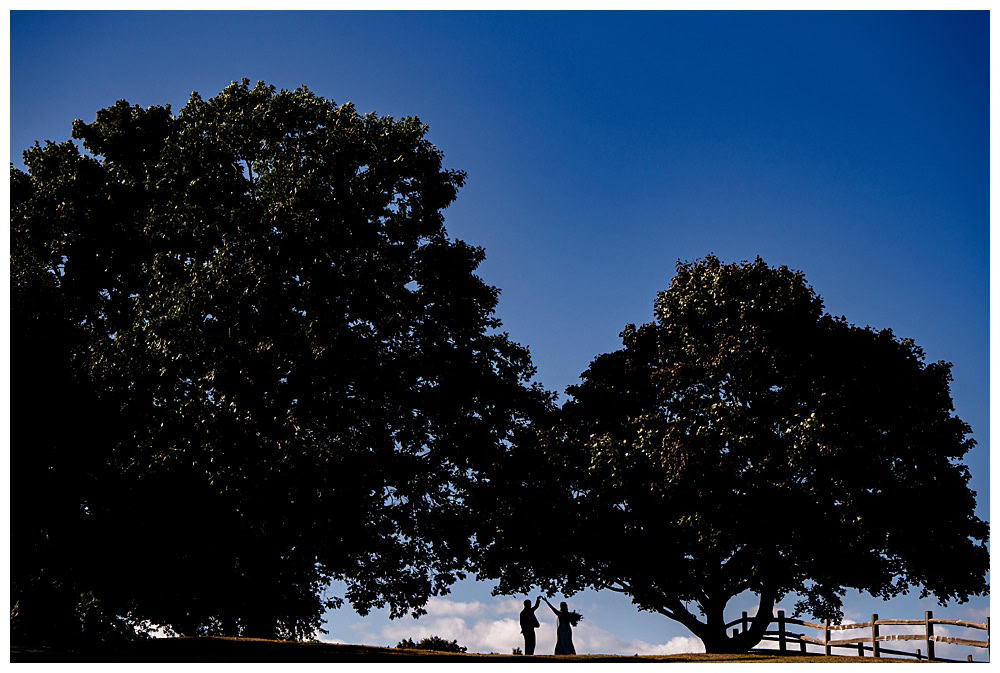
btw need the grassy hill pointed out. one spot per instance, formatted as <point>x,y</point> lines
<point>257,650</point>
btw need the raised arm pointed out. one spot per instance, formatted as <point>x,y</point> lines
<point>554,611</point>
<point>537,601</point>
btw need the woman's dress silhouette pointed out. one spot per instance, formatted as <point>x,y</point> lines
<point>564,632</point>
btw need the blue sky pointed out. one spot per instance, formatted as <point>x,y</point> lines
<point>602,147</point>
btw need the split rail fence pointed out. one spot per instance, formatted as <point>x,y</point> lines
<point>872,642</point>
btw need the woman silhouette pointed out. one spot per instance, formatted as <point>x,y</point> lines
<point>564,632</point>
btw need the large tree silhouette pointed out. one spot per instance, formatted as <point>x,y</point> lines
<point>247,360</point>
<point>743,441</point>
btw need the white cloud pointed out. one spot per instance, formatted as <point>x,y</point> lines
<point>975,614</point>
<point>590,639</point>
<point>479,635</point>
<point>510,606</point>
<point>441,606</point>
<point>473,627</point>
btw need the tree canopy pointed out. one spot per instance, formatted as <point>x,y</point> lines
<point>746,440</point>
<point>247,360</point>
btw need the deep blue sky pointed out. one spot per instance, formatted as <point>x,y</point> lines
<point>602,147</point>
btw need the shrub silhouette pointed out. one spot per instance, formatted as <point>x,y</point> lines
<point>435,643</point>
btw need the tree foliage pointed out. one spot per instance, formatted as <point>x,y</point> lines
<point>746,440</point>
<point>434,643</point>
<point>248,360</point>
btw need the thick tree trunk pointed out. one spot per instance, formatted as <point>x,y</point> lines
<point>720,643</point>
<point>713,632</point>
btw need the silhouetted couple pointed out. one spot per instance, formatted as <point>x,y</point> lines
<point>564,632</point>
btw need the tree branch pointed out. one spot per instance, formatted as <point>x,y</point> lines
<point>667,613</point>
<point>676,611</point>
<point>764,616</point>
<point>622,588</point>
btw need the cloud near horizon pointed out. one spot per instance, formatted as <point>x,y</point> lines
<point>480,628</point>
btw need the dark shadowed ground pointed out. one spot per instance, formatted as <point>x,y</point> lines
<point>257,650</point>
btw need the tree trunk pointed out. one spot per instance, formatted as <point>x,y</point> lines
<point>713,633</point>
<point>720,643</point>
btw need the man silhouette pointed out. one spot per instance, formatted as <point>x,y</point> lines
<point>528,625</point>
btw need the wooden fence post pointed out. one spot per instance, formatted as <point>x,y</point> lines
<point>736,632</point>
<point>875,652</point>
<point>918,654</point>
<point>802,646</point>
<point>929,634</point>
<point>743,621</point>
<point>861,650</point>
<point>987,640</point>
<point>781,631</point>
<point>826,635</point>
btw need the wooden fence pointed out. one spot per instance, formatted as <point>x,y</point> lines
<point>785,638</point>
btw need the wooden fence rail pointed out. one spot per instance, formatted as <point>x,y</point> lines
<point>783,637</point>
